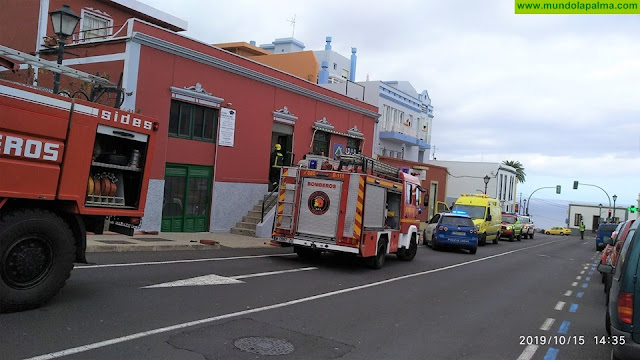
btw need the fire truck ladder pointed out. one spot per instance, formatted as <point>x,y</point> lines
<point>370,164</point>
<point>286,198</point>
<point>35,61</point>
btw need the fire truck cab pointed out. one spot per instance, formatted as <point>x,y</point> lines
<point>363,207</point>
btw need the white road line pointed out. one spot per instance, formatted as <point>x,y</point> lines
<point>273,273</point>
<point>142,334</point>
<point>559,305</point>
<point>578,277</point>
<point>568,293</point>
<point>528,352</point>
<point>586,267</point>
<point>214,279</point>
<point>581,272</point>
<point>574,284</point>
<point>178,261</point>
<point>547,324</point>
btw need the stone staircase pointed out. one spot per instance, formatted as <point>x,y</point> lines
<point>248,224</point>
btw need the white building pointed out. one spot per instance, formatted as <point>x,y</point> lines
<point>592,215</point>
<point>469,178</point>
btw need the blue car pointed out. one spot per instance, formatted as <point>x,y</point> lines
<point>451,230</point>
<point>604,230</point>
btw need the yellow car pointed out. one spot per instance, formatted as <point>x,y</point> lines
<point>558,231</point>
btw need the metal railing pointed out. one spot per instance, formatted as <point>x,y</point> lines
<point>271,201</point>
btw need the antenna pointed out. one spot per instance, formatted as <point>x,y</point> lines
<point>293,25</point>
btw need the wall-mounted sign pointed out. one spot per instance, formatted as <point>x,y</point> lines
<point>338,149</point>
<point>227,127</point>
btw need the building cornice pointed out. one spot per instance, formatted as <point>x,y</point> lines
<point>213,61</point>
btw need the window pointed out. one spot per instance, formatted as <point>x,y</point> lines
<point>95,25</point>
<point>577,219</point>
<point>353,146</point>
<point>335,66</point>
<point>409,189</point>
<point>321,143</point>
<point>192,121</point>
<point>345,73</point>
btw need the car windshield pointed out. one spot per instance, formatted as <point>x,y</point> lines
<point>474,212</point>
<point>456,221</point>
<point>508,219</point>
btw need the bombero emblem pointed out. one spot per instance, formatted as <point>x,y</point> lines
<point>318,202</point>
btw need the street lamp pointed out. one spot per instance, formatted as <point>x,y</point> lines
<point>524,206</point>
<point>600,212</point>
<point>486,182</point>
<point>64,22</point>
<point>614,197</point>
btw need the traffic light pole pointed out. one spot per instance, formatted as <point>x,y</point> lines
<point>534,191</point>
<point>575,187</point>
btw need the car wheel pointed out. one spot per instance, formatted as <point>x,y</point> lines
<point>519,237</point>
<point>434,245</point>
<point>495,241</point>
<point>531,236</point>
<point>548,233</point>
<point>511,238</point>
<point>482,239</point>
<point>473,250</point>
<point>424,238</point>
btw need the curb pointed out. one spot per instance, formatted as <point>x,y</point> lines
<point>125,248</point>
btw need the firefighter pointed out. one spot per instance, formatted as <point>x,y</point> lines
<point>275,164</point>
<point>391,221</point>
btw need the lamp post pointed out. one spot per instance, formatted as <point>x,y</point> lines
<point>614,197</point>
<point>486,182</point>
<point>600,212</point>
<point>64,22</point>
<point>524,206</point>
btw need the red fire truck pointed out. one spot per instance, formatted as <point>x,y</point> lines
<point>65,165</point>
<point>363,207</point>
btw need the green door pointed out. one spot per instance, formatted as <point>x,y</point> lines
<point>187,194</point>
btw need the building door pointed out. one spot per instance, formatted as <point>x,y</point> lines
<point>283,134</point>
<point>433,199</point>
<point>187,198</point>
<point>595,222</point>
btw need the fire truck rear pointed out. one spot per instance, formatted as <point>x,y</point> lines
<point>366,208</point>
<point>65,165</point>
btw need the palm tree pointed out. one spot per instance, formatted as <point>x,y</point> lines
<point>520,174</point>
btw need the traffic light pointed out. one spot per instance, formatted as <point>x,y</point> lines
<point>632,209</point>
<point>575,185</point>
<point>609,212</point>
<point>558,189</point>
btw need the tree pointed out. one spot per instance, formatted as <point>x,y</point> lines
<point>520,174</point>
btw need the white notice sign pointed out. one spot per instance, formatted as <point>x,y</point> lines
<point>227,127</point>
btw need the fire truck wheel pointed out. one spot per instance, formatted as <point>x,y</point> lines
<point>377,262</point>
<point>408,254</point>
<point>482,239</point>
<point>36,253</point>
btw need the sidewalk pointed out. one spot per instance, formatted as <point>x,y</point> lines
<point>171,241</point>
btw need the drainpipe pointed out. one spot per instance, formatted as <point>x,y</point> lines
<point>323,76</point>
<point>352,71</point>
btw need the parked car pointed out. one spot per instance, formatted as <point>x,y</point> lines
<point>621,321</point>
<point>451,230</point>
<point>528,228</point>
<point>604,230</point>
<point>611,252</point>
<point>511,227</point>
<point>558,230</point>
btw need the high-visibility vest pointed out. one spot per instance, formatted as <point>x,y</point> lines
<point>277,161</point>
<point>582,227</point>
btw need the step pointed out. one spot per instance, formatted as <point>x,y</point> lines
<point>258,208</point>
<point>245,232</point>
<point>245,225</point>
<point>255,214</point>
<point>251,219</point>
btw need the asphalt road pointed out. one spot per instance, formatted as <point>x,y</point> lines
<point>509,301</point>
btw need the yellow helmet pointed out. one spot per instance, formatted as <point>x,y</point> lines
<point>391,213</point>
<point>277,147</point>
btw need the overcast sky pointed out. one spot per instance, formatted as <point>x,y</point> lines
<point>559,93</point>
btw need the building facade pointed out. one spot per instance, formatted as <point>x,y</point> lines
<point>406,119</point>
<point>592,215</point>
<point>220,113</point>
<point>468,178</point>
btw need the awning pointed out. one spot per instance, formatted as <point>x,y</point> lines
<point>360,137</point>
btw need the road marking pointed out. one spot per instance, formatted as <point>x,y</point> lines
<point>543,255</point>
<point>574,283</point>
<point>559,305</point>
<point>551,354</point>
<point>214,279</point>
<point>588,278</point>
<point>547,324</point>
<point>528,352</point>
<point>579,294</point>
<point>581,272</point>
<point>573,308</point>
<point>578,277</point>
<point>564,328</point>
<point>585,285</point>
<point>586,267</point>
<point>591,272</point>
<point>118,340</point>
<point>568,293</point>
<point>178,261</point>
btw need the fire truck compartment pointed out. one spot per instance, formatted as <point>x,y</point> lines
<point>115,178</point>
<point>319,207</point>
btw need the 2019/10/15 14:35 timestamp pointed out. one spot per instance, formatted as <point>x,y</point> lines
<point>570,340</point>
